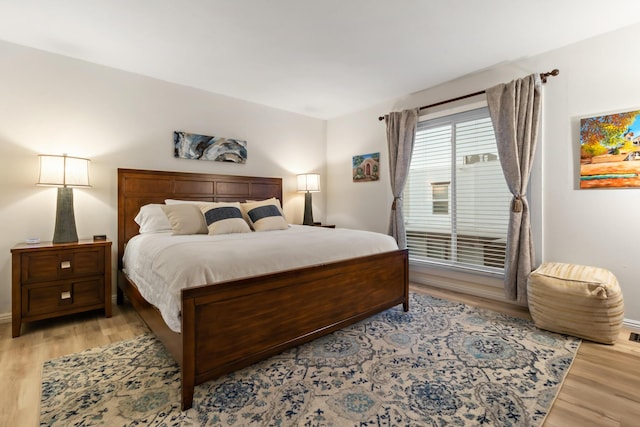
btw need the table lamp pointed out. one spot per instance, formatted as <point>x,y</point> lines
<point>308,183</point>
<point>64,172</point>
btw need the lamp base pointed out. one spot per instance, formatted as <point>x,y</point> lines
<point>308,211</point>
<point>65,231</point>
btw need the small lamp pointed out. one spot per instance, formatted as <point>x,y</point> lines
<point>308,183</point>
<point>65,173</point>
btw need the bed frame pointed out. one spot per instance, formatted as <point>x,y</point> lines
<point>231,325</point>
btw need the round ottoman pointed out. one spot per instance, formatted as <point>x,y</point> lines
<point>576,300</point>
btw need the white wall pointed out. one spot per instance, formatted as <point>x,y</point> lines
<point>50,104</point>
<point>592,227</point>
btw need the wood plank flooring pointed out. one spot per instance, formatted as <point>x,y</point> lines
<point>601,390</point>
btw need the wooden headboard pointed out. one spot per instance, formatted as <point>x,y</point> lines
<point>138,187</point>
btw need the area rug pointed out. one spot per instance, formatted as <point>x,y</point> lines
<point>441,364</point>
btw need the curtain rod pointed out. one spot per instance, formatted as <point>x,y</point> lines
<point>543,77</point>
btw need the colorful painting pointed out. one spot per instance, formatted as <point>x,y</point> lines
<point>610,151</point>
<point>203,147</point>
<point>366,167</point>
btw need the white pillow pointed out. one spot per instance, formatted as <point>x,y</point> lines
<point>152,219</point>
<point>224,218</point>
<point>265,215</point>
<point>185,218</point>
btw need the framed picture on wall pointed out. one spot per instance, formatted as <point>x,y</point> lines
<point>366,167</point>
<point>204,147</point>
<point>610,151</point>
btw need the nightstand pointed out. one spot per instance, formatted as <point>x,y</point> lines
<point>56,279</point>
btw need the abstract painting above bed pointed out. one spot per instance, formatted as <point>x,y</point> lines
<point>203,147</point>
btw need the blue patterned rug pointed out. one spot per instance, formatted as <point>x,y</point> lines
<point>441,364</point>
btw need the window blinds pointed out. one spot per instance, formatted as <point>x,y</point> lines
<point>456,202</point>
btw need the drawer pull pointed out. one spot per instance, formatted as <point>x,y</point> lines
<point>65,264</point>
<point>65,295</point>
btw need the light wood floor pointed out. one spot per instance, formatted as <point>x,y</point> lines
<point>602,388</point>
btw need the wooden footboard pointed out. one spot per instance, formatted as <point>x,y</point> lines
<point>234,324</point>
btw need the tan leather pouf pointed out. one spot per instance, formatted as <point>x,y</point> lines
<point>576,300</point>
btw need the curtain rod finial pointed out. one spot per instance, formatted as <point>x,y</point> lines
<point>554,72</point>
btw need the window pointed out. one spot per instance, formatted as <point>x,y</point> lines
<point>456,201</point>
<point>440,196</point>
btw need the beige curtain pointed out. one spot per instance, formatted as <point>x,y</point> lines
<point>515,111</point>
<point>401,133</point>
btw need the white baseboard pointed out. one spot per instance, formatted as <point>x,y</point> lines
<point>632,324</point>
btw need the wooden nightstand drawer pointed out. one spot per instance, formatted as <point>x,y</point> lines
<point>56,279</point>
<point>62,297</point>
<point>45,266</point>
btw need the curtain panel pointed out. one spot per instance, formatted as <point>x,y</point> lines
<point>401,133</point>
<point>515,111</point>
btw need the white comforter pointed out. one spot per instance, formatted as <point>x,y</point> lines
<point>161,264</point>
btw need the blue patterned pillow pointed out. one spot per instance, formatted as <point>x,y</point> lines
<point>224,218</point>
<point>265,215</point>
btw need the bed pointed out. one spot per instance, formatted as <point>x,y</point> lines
<point>232,324</point>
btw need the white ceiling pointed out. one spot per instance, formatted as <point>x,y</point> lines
<point>320,58</point>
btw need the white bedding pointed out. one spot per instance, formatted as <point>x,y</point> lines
<point>161,264</point>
